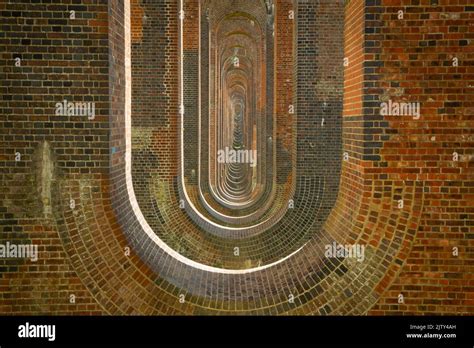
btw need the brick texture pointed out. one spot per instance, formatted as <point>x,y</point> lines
<point>402,186</point>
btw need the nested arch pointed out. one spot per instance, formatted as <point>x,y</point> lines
<point>233,199</point>
<point>267,212</point>
<point>287,257</point>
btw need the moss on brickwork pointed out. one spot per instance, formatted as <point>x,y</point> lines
<point>334,170</point>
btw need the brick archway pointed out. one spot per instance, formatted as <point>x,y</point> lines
<point>210,276</point>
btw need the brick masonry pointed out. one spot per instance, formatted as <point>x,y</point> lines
<point>67,192</point>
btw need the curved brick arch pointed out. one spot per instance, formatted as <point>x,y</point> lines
<point>295,234</point>
<point>316,248</point>
<point>409,249</point>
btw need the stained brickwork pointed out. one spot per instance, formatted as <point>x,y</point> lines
<point>400,185</point>
<point>59,58</point>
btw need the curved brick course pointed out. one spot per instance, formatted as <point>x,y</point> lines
<point>352,169</point>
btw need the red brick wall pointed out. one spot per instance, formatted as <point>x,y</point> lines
<point>417,54</point>
<point>60,58</point>
<point>390,158</point>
